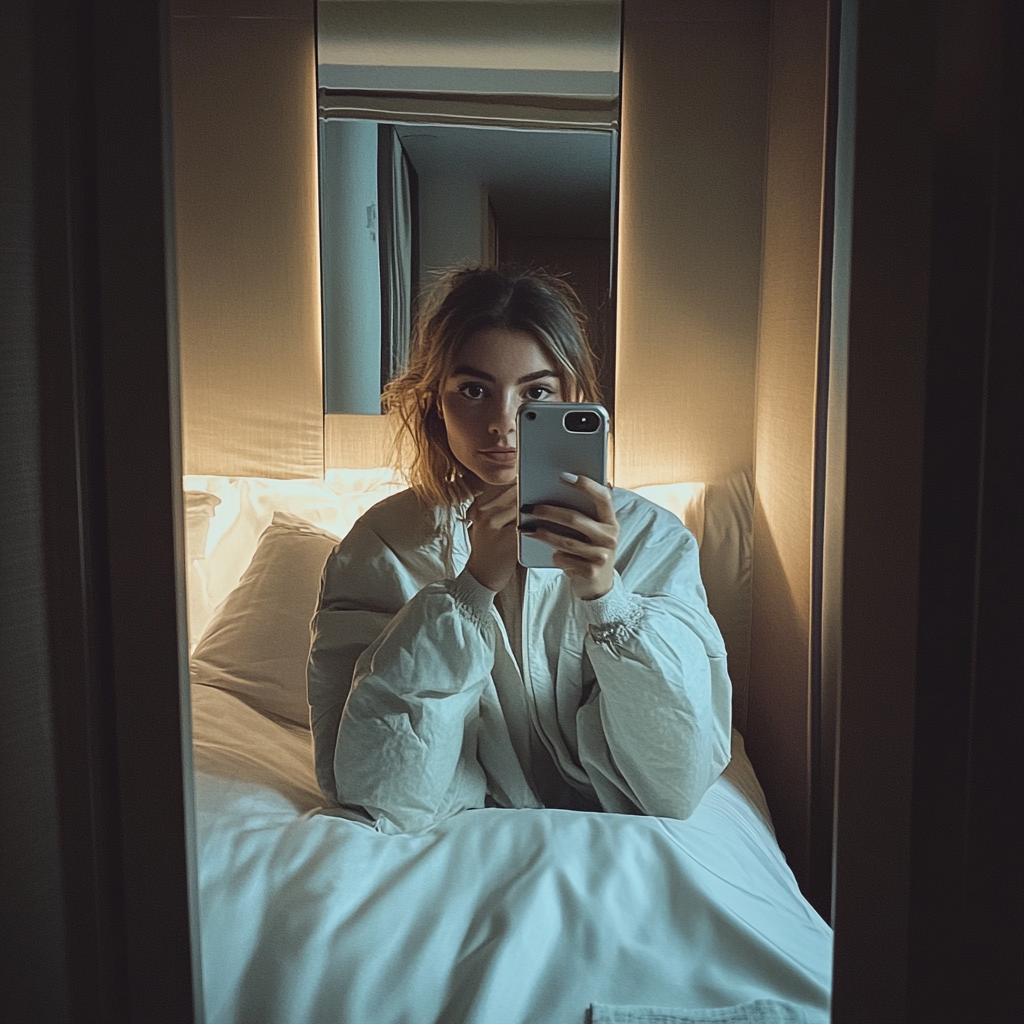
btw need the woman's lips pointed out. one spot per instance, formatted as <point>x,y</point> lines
<point>504,456</point>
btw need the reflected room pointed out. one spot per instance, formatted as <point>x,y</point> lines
<point>332,162</point>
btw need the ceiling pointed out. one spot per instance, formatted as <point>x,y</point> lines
<point>543,183</point>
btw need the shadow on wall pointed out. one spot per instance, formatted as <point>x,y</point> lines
<point>777,732</point>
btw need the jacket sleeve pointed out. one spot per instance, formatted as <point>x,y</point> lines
<point>395,676</point>
<point>654,732</point>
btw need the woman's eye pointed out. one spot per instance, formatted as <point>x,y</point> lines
<point>537,393</point>
<point>472,390</point>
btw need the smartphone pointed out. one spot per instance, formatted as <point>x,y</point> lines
<point>555,438</point>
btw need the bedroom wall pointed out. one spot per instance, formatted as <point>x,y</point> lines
<point>694,96</point>
<point>790,730</point>
<point>719,246</point>
<point>245,185</point>
<point>453,212</point>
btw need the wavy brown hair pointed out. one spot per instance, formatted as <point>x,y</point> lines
<point>462,303</point>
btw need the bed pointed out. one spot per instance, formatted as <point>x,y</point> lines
<point>496,915</point>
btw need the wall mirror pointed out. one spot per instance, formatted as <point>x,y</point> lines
<point>710,361</point>
<point>455,133</point>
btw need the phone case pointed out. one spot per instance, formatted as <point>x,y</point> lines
<point>545,449</point>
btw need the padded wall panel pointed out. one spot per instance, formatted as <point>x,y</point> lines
<point>244,119</point>
<point>694,97</point>
<point>355,442</point>
<point>779,712</point>
<point>548,36</point>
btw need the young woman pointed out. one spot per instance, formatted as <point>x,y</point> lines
<point>443,675</point>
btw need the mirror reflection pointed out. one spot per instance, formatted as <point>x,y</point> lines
<point>578,825</point>
<point>504,153</point>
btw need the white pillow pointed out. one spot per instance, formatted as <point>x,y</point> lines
<point>200,508</point>
<point>239,509</point>
<point>257,642</point>
<point>685,501</point>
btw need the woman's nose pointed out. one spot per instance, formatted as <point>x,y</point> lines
<point>504,422</point>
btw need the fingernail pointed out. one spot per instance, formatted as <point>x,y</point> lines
<point>527,527</point>
<point>569,478</point>
<point>526,509</point>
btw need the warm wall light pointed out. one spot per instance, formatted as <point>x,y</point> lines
<point>356,442</point>
<point>685,500</point>
<point>248,269</point>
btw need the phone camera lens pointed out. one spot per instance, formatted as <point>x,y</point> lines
<point>531,415</point>
<point>581,422</point>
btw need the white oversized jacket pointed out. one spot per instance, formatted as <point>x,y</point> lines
<point>629,693</point>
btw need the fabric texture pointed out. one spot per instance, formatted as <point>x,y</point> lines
<point>257,643</point>
<point>493,917</point>
<point>629,693</point>
<point>760,1011</point>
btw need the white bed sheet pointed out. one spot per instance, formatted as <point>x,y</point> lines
<point>499,916</point>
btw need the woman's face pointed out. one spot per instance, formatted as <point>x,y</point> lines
<point>495,372</point>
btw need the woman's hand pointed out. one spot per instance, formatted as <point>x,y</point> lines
<point>589,559</point>
<point>493,537</point>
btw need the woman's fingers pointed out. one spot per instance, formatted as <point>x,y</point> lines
<point>604,509</point>
<point>589,567</point>
<point>599,494</point>
<point>579,522</point>
<point>495,498</point>
<point>589,549</point>
<point>592,530</point>
<point>602,500</point>
<point>496,509</point>
<point>492,538</point>
<point>584,545</point>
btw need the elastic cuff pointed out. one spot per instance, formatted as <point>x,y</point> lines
<point>613,618</point>
<point>618,605</point>
<point>472,595</point>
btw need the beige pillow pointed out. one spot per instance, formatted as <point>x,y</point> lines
<point>726,567</point>
<point>720,516</point>
<point>257,642</point>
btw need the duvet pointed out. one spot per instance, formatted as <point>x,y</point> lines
<point>493,917</point>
